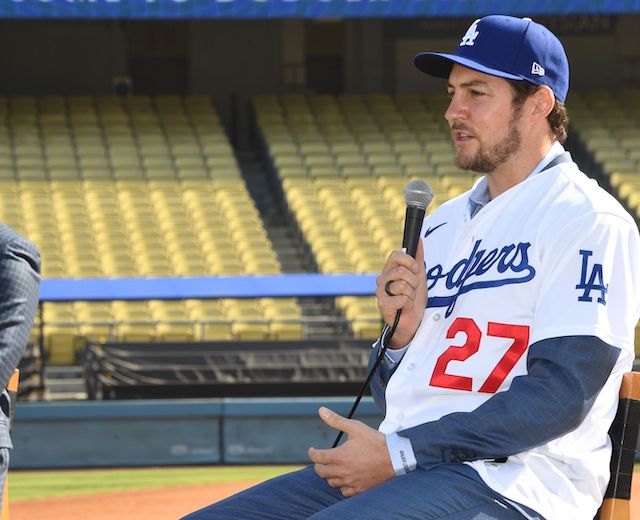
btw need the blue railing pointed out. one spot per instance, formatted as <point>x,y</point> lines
<point>207,287</point>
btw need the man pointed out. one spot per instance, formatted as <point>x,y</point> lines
<point>502,377</point>
<point>19,290</point>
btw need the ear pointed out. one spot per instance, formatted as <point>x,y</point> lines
<point>543,102</point>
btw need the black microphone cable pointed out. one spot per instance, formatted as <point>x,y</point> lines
<point>385,345</point>
<point>418,195</point>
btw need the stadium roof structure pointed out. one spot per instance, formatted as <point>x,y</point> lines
<point>271,9</point>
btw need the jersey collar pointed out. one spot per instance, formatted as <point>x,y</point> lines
<point>479,196</point>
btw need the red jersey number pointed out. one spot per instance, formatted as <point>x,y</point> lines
<point>518,333</point>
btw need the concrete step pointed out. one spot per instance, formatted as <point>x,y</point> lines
<point>293,253</point>
<point>64,372</point>
<point>65,396</point>
<point>64,383</point>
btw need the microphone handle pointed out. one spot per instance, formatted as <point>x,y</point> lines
<point>412,227</point>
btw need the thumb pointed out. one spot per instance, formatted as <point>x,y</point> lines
<point>333,419</point>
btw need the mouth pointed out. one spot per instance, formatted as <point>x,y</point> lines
<point>461,137</point>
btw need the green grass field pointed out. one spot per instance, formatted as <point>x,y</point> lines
<point>25,485</point>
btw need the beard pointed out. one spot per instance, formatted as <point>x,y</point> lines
<point>485,161</point>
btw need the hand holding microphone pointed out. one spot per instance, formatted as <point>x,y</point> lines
<point>402,286</point>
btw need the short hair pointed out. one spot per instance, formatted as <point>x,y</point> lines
<point>558,118</point>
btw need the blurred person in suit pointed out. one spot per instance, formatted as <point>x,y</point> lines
<point>19,296</point>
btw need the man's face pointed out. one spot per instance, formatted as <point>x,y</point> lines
<point>483,119</point>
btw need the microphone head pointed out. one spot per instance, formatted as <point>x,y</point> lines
<point>418,194</point>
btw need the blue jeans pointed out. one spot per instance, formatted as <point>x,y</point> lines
<point>452,491</point>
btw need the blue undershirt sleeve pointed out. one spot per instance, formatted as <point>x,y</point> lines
<point>385,370</point>
<point>564,378</point>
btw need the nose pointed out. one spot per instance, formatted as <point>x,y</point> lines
<point>455,110</point>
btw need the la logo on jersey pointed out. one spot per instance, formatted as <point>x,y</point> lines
<point>470,36</point>
<point>591,279</point>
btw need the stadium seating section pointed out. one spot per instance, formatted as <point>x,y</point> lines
<point>609,125</point>
<point>150,186</point>
<point>138,187</point>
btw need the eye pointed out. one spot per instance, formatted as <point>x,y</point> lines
<point>477,93</point>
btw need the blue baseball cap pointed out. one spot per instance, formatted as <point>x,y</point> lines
<point>507,47</point>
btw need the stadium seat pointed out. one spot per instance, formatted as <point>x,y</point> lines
<point>363,315</point>
<point>60,342</point>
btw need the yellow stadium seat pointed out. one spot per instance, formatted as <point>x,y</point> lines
<point>60,344</point>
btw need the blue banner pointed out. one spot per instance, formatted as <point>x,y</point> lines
<point>256,9</point>
<point>208,287</point>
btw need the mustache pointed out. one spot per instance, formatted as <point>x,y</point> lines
<point>460,127</point>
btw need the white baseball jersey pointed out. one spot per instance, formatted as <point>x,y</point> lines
<point>553,256</point>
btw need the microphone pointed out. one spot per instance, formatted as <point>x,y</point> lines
<point>418,195</point>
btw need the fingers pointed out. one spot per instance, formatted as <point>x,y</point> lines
<point>402,285</point>
<point>322,457</point>
<point>326,468</point>
<point>420,256</point>
<point>346,490</point>
<point>402,272</point>
<point>396,288</point>
<point>337,482</point>
<point>335,420</point>
<point>399,259</point>
<point>334,477</point>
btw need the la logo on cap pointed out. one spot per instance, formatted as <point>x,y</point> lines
<point>470,36</point>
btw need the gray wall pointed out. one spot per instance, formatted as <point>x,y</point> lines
<point>175,432</point>
<point>248,57</point>
<point>38,58</point>
<point>603,52</point>
<point>233,61</point>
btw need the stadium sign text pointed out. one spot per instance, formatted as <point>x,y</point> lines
<point>247,9</point>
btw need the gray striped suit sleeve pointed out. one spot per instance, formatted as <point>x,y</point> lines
<point>19,295</point>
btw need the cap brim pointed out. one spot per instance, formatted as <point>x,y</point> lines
<point>439,65</point>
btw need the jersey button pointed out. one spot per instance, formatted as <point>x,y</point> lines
<point>436,316</point>
<point>411,366</point>
<point>400,416</point>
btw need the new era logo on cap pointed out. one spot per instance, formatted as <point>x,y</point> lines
<point>537,69</point>
<point>507,47</point>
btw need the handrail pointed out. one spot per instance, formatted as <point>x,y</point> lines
<point>207,287</point>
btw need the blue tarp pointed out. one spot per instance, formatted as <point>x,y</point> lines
<point>207,287</point>
<point>252,9</point>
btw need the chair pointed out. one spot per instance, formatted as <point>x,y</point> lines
<point>624,436</point>
<point>12,388</point>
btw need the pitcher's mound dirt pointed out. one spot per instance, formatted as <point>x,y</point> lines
<point>156,504</point>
